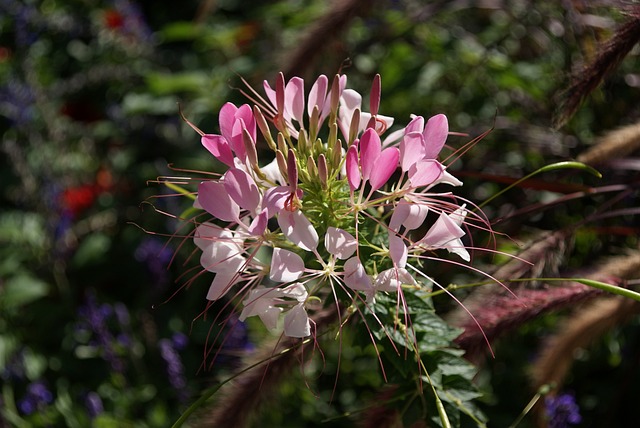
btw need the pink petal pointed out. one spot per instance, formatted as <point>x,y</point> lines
<point>213,197</point>
<point>286,266</point>
<point>219,147</point>
<point>242,189</point>
<point>355,276</point>
<point>340,243</point>
<point>245,113</point>
<point>416,125</point>
<point>397,250</point>
<point>435,134</point>
<point>425,172</point>
<point>275,198</point>
<point>385,166</point>
<point>370,147</point>
<point>296,322</point>
<point>227,118</point>
<point>236,141</point>
<point>318,94</point>
<point>411,150</point>
<point>297,228</point>
<point>259,224</point>
<point>353,169</point>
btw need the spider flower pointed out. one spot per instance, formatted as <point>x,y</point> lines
<point>333,212</point>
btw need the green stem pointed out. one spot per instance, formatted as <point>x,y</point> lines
<point>609,288</point>
<point>180,190</point>
<point>552,167</point>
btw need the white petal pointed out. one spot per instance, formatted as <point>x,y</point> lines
<point>296,322</point>
<point>286,266</point>
<point>340,243</point>
<point>397,250</point>
<point>355,276</point>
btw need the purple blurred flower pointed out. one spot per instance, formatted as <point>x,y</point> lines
<point>37,396</point>
<point>94,404</point>
<point>236,343</point>
<point>175,369</point>
<point>14,367</point>
<point>155,256</point>
<point>562,411</point>
<point>94,318</point>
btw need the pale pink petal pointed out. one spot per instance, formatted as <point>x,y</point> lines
<point>207,234</point>
<point>296,322</point>
<point>417,214</point>
<point>213,197</point>
<point>219,147</point>
<point>298,229</point>
<point>393,137</point>
<point>409,214</point>
<point>457,247</point>
<point>390,279</point>
<point>261,302</point>
<point>425,172</point>
<point>443,231</point>
<point>447,178</point>
<point>385,166</point>
<point>435,134</point>
<point>370,148</point>
<point>271,94</point>
<point>340,243</point>
<point>221,284</point>
<point>355,276</point>
<point>318,94</point>
<point>259,224</point>
<point>242,189</point>
<point>397,250</point>
<point>353,169</point>
<point>222,256</point>
<point>295,291</point>
<point>459,215</point>
<point>294,98</point>
<point>349,102</point>
<point>286,266</point>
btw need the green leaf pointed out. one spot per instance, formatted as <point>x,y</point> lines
<point>21,290</point>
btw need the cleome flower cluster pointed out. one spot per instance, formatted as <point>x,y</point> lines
<point>340,210</point>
